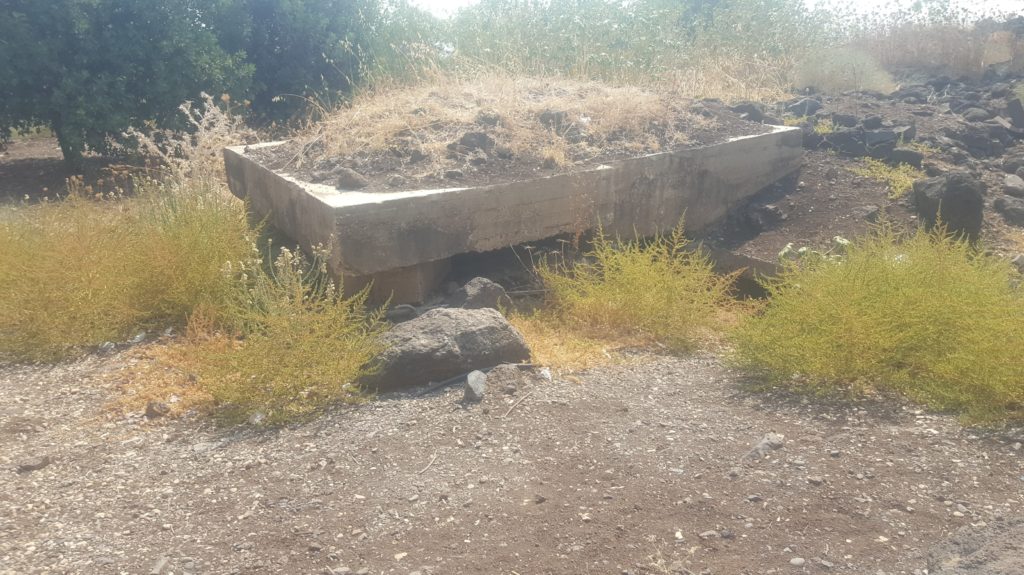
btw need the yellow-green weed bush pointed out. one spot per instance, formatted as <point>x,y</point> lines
<point>924,315</point>
<point>656,289</point>
<point>899,178</point>
<point>83,271</point>
<point>302,345</point>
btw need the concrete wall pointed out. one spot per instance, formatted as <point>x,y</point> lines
<point>372,233</point>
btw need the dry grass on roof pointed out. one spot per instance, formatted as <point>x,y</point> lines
<point>491,125</point>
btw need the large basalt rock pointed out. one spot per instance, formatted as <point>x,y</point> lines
<point>976,139</point>
<point>957,198</point>
<point>446,342</point>
<point>1012,209</point>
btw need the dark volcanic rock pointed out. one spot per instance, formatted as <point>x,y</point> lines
<point>872,122</point>
<point>976,139</point>
<point>907,156</point>
<point>443,343</point>
<point>476,141</point>
<point>1012,209</point>
<point>976,115</point>
<point>1013,185</point>
<point>349,179</point>
<point>845,120</point>
<point>479,293</point>
<point>1015,110</point>
<point>1013,163</point>
<point>958,198</point>
<point>847,141</point>
<point>750,110</point>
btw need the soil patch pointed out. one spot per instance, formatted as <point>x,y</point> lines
<point>32,169</point>
<point>642,468</point>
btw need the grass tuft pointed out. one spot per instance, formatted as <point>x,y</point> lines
<point>82,271</point>
<point>302,346</point>
<point>899,179</point>
<point>554,344</point>
<point>656,290</point>
<point>824,127</point>
<point>924,314</point>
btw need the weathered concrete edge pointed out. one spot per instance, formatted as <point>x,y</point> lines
<point>386,231</point>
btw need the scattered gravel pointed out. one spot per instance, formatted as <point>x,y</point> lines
<point>625,469</point>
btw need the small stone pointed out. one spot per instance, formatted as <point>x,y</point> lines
<point>816,480</point>
<point>538,499</point>
<point>155,409</point>
<point>315,547</point>
<point>709,534</point>
<point>476,141</point>
<point>349,179</point>
<point>1013,185</point>
<point>976,115</point>
<point>797,562</point>
<point>34,464</point>
<point>454,174</point>
<point>475,387</point>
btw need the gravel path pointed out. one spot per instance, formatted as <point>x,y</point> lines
<point>638,468</point>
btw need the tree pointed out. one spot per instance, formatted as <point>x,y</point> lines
<point>300,49</point>
<point>89,69</point>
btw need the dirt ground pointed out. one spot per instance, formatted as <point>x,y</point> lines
<point>636,468</point>
<point>32,168</point>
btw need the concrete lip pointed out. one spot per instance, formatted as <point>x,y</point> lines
<point>402,241</point>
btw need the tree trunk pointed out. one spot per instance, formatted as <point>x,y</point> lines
<point>70,147</point>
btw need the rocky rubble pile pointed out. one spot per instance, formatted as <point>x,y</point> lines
<point>967,137</point>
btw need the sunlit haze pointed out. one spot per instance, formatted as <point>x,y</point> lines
<point>448,7</point>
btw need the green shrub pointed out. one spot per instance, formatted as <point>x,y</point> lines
<point>657,289</point>
<point>924,315</point>
<point>302,346</point>
<point>899,178</point>
<point>79,272</point>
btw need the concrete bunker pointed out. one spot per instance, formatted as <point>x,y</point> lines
<point>403,241</point>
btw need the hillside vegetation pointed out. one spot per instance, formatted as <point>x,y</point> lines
<point>271,339</point>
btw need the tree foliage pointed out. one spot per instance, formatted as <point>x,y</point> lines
<point>91,68</point>
<point>303,49</point>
